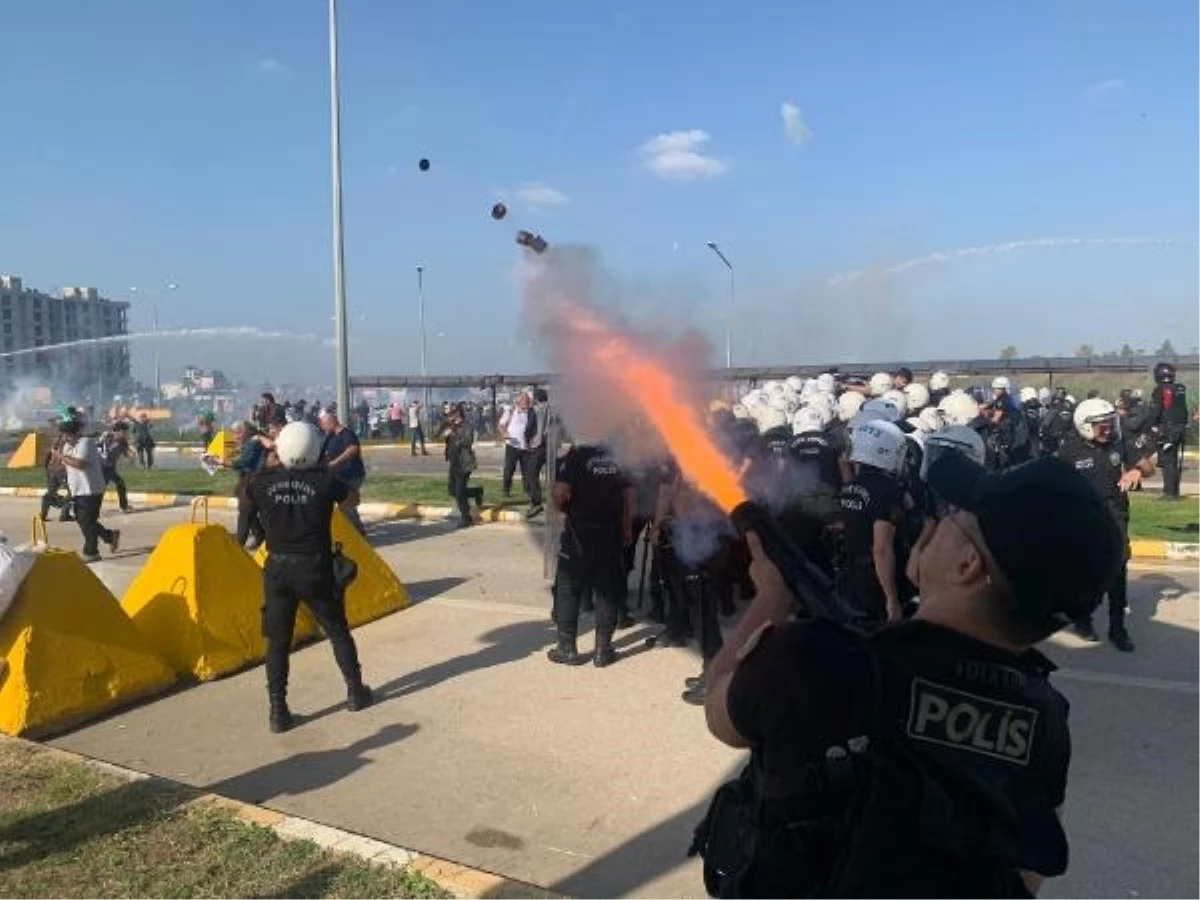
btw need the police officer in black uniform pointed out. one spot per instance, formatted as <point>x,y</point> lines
<point>1098,451</point>
<point>1056,423</point>
<point>930,758</point>
<point>873,504</point>
<point>598,502</point>
<point>295,503</point>
<point>1167,421</point>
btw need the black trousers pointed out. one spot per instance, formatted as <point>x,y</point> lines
<point>588,568</point>
<point>696,591</point>
<point>247,523</point>
<point>145,454</point>
<point>1170,460</point>
<point>288,579</point>
<point>512,459</point>
<point>462,493</point>
<point>112,476</point>
<point>532,462</point>
<point>87,514</point>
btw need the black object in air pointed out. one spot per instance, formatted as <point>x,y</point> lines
<point>499,211</point>
<point>534,242</point>
<point>423,165</point>
<point>817,595</point>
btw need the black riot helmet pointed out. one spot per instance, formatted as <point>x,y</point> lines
<point>1164,373</point>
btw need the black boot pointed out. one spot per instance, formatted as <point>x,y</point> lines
<point>565,653</point>
<point>1085,629</point>
<point>281,716</point>
<point>1120,638</point>
<point>358,696</point>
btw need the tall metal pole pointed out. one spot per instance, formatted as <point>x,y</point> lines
<point>157,378</point>
<point>712,245</point>
<point>421,316</point>
<point>341,348</point>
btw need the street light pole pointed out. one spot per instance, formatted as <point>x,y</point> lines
<point>157,377</point>
<point>421,317</point>
<point>712,245</point>
<point>341,348</point>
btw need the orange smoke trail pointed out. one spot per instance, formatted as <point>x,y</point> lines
<point>653,388</point>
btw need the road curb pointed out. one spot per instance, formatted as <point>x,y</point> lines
<point>380,510</point>
<point>1164,550</point>
<point>457,879</point>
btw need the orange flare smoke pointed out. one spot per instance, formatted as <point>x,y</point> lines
<point>653,388</point>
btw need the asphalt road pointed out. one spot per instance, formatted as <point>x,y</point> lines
<point>589,782</point>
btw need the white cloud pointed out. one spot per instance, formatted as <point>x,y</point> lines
<point>541,196</point>
<point>793,124</point>
<point>676,156</point>
<point>1105,88</point>
<point>271,66</point>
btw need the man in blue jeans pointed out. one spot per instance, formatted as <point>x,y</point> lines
<point>342,454</point>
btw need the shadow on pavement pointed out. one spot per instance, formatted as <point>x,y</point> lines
<point>505,644</point>
<point>308,771</point>
<point>420,591</point>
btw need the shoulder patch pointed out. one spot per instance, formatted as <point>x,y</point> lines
<point>752,641</point>
<point>939,714</point>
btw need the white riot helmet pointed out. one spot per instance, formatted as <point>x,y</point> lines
<point>1070,398</point>
<point>754,399</point>
<point>882,409</point>
<point>1093,412</point>
<point>824,402</point>
<point>929,419</point>
<point>808,418</point>
<point>298,445</point>
<point>939,381</point>
<point>897,396</point>
<point>1044,396</point>
<point>849,404</point>
<point>917,396</point>
<point>1001,383</point>
<point>878,444</point>
<point>955,439</point>
<point>740,411</point>
<point>880,382</point>
<point>958,408</point>
<point>774,387</point>
<point>772,417</point>
<point>826,383</point>
<point>1028,394</point>
<point>795,383</point>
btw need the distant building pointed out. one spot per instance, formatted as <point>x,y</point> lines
<point>30,319</point>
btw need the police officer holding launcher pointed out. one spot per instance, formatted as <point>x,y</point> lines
<point>295,504</point>
<point>930,758</point>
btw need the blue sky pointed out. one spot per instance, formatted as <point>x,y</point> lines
<point>150,142</point>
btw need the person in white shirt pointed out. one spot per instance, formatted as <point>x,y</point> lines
<point>415,429</point>
<point>85,479</point>
<point>513,425</point>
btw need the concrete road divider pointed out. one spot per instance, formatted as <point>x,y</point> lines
<point>31,454</point>
<point>198,601</point>
<point>376,592</point>
<point>68,652</point>
<point>1164,550</point>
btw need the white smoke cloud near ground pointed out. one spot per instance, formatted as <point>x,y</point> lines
<point>238,332</point>
<point>946,256</point>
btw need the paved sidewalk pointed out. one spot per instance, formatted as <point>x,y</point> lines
<point>588,782</point>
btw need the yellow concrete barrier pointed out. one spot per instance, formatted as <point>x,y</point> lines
<point>32,452</point>
<point>198,601</point>
<point>223,446</point>
<point>68,652</point>
<point>376,592</point>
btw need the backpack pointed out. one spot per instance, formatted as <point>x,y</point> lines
<point>853,830</point>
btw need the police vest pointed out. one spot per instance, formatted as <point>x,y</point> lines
<point>949,790</point>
